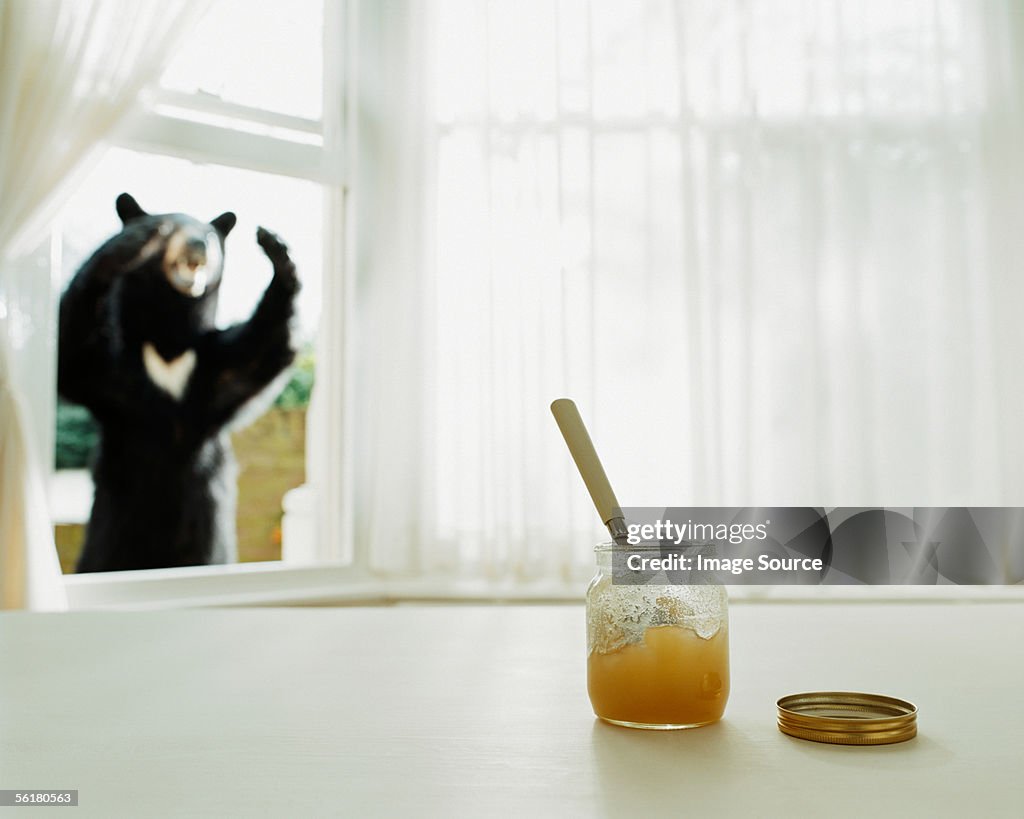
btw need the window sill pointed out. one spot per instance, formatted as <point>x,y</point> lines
<point>278,584</point>
<point>241,584</point>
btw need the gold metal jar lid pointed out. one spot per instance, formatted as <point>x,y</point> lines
<point>847,718</point>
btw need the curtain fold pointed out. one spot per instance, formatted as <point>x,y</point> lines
<point>69,72</point>
<point>29,571</point>
<point>392,283</point>
<point>771,248</point>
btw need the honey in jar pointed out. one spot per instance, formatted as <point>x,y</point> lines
<point>658,654</point>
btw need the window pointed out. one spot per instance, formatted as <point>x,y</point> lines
<point>760,243</point>
<point>236,124</point>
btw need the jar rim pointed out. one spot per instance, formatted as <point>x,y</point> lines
<point>642,546</point>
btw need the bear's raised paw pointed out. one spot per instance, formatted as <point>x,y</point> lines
<point>277,252</point>
<point>272,245</point>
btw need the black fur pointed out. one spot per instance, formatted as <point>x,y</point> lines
<point>164,470</point>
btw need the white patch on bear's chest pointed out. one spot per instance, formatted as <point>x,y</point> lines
<point>170,376</point>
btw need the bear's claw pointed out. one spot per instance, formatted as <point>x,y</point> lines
<point>271,244</point>
<point>277,252</point>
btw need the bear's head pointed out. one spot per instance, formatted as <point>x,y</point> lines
<point>187,253</point>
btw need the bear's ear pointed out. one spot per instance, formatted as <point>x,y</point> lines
<point>128,208</point>
<point>223,223</point>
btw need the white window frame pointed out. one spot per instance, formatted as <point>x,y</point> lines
<point>335,573</point>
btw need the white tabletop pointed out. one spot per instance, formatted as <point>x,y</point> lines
<point>482,711</point>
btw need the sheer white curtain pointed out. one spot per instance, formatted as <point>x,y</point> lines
<point>69,72</point>
<point>773,250</point>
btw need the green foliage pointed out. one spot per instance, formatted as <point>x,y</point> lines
<point>77,434</point>
<point>296,393</point>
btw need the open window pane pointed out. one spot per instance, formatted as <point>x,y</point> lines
<point>270,452</point>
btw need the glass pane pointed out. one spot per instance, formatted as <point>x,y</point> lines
<point>271,451</point>
<point>273,58</point>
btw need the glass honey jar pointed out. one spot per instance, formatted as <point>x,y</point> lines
<point>658,653</point>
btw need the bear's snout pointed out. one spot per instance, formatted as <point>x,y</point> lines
<point>195,252</point>
<point>192,262</point>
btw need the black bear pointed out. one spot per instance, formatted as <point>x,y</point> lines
<point>138,348</point>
